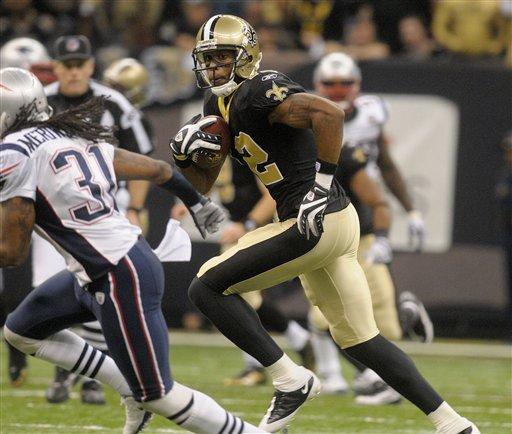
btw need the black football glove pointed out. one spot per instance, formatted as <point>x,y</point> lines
<point>311,211</point>
<point>191,137</point>
<point>208,217</point>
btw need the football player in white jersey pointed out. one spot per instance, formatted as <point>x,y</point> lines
<point>338,78</point>
<point>58,176</point>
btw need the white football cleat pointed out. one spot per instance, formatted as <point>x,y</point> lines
<point>334,384</point>
<point>367,382</point>
<point>136,417</point>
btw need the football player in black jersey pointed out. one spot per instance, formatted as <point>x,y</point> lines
<point>292,141</point>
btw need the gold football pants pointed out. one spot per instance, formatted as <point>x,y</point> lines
<point>328,268</point>
<point>382,291</point>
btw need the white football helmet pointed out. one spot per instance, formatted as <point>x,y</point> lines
<point>18,89</point>
<point>23,53</point>
<point>338,78</point>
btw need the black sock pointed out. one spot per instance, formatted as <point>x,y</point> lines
<point>272,317</point>
<point>397,370</point>
<point>236,320</point>
<point>355,363</point>
<point>16,357</point>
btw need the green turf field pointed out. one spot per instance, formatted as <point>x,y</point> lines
<point>480,388</point>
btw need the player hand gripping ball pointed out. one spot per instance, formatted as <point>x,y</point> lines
<point>191,138</point>
<point>311,211</point>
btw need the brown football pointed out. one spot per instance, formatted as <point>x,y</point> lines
<point>206,158</point>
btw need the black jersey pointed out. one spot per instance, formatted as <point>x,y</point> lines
<point>118,112</point>
<point>353,159</point>
<point>282,157</point>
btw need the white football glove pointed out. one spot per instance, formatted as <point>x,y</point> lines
<point>191,137</point>
<point>416,229</point>
<point>379,252</point>
<point>311,211</point>
<point>207,216</point>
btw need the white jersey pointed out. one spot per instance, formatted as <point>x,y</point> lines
<point>365,128</point>
<point>73,185</point>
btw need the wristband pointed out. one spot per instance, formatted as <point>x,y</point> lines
<point>324,173</point>
<point>322,166</point>
<point>181,187</point>
<point>250,224</point>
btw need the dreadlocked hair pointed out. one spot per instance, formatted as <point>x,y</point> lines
<point>74,122</point>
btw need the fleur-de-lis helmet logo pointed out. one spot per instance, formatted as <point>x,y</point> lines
<point>250,34</point>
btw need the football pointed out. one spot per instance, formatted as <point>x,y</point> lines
<point>206,158</point>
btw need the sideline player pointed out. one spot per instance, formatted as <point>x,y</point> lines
<point>74,65</point>
<point>59,176</point>
<point>292,141</point>
<point>338,78</point>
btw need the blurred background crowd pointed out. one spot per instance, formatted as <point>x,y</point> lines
<point>161,33</point>
<point>446,63</point>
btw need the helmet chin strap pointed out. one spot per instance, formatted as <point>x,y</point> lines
<point>225,89</point>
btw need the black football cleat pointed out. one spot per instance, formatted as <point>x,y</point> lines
<point>285,405</point>
<point>414,318</point>
<point>92,393</point>
<point>249,377</point>
<point>60,389</point>
<point>472,429</point>
<point>17,366</point>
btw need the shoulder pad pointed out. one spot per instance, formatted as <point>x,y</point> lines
<point>374,106</point>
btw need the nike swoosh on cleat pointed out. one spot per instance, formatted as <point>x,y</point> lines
<point>305,389</point>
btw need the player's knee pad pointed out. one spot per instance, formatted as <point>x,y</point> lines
<point>22,343</point>
<point>317,319</point>
<point>174,402</point>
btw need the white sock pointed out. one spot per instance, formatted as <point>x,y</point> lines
<point>92,334</point>
<point>297,336</point>
<point>326,354</point>
<point>286,375</point>
<point>250,361</point>
<point>447,420</point>
<point>69,351</point>
<point>197,412</point>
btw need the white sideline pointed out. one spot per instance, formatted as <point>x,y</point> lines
<point>442,348</point>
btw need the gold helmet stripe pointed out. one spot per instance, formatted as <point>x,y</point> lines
<point>209,27</point>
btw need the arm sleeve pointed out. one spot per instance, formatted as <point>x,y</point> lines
<point>17,176</point>
<point>353,159</point>
<point>132,134</point>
